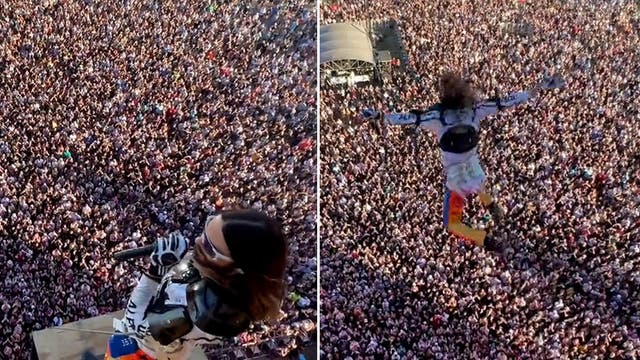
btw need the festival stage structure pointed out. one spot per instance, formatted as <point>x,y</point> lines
<point>346,53</point>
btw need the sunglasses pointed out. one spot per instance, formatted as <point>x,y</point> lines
<point>208,244</point>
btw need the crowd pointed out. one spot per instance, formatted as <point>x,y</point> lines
<point>566,167</point>
<point>124,120</point>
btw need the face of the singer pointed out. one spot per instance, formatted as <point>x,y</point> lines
<point>211,250</point>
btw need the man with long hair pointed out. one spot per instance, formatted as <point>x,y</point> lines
<point>233,276</point>
<point>456,123</point>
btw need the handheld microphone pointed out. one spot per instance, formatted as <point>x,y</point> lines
<point>134,253</point>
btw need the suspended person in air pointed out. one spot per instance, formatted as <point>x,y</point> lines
<point>456,122</point>
<point>233,276</point>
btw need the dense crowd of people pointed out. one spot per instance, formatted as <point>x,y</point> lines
<point>566,167</point>
<point>123,120</point>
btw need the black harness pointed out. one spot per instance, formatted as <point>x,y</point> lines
<point>458,139</point>
<point>216,310</point>
<point>212,308</point>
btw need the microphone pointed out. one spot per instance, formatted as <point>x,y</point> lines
<point>134,253</point>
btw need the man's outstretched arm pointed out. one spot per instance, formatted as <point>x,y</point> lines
<point>414,117</point>
<point>492,106</point>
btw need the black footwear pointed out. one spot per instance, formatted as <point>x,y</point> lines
<point>492,244</point>
<point>496,211</point>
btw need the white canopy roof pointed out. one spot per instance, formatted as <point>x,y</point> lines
<point>345,41</point>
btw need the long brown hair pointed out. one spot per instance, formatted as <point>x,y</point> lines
<point>456,92</point>
<point>258,247</point>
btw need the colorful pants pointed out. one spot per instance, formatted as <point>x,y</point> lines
<point>464,179</point>
<point>123,347</point>
<point>452,217</point>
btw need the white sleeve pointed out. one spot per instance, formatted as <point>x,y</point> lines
<point>492,106</point>
<point>400,119</point>
<point>428,119</point>
<point>134,315</point>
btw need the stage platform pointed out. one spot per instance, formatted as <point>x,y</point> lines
<point>57,344</point>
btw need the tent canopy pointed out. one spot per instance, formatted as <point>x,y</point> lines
<point>345,41</point>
